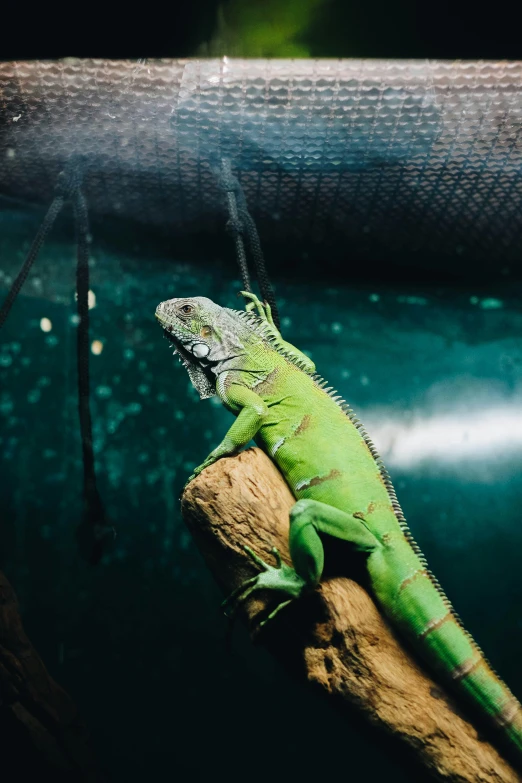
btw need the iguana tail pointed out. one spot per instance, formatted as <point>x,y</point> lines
<point>421,608</point>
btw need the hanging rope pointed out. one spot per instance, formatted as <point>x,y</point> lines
<point>234,226</point>
<point>94,528</point>
<point>267,291</point>
<point>62,190</point>
<point>241,223</point>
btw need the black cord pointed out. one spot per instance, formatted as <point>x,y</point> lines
<point>267,292</point>
<point>240,223</point>
<point>234,225</point>
<point>47,223</point>
<point>66,184</point>
<point>94,529</point>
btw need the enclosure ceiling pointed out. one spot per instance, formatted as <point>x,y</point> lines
<point>379,156</point>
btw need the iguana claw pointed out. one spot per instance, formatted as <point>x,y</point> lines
<point>281,578</point>
<point>223,450</point>
<point>196,473</point>
<point>263,309</point>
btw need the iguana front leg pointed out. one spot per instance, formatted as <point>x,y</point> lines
<point>252,411</point>
<point>308,518</point>
<point>265,313</point>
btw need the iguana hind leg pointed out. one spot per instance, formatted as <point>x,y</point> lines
<point>308,518</point>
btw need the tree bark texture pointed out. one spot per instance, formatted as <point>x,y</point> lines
<point>336,638</point>
<point>41,734</point>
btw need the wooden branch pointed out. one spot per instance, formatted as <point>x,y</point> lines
<point>337,635</point>
<point>41,734</point>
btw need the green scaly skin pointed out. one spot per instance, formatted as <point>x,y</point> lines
<point>341,486</point>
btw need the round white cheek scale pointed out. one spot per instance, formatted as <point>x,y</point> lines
<point>200,350</point>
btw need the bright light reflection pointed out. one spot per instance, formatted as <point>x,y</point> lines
<point>91,299</point>
<point>447,438</point>
<point>96,347</point>
<point>45,324</point>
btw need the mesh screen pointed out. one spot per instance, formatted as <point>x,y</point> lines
<point>390,156</point>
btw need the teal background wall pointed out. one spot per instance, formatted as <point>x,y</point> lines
<point>139,642</point>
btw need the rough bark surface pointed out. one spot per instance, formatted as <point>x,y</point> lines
<point>336,636</point>
<point>41,734</point>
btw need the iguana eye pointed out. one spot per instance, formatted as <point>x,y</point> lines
<point>187,309</point>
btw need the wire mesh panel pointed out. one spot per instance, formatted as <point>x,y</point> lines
<point>386,156</point>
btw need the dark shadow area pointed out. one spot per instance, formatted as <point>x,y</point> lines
<point>405,29</point>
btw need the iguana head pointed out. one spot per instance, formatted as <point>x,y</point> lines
<point>205,337</point>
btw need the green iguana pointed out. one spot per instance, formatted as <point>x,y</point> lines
<point>340,483</point>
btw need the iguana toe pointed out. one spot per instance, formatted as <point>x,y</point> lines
<point>281,578</point>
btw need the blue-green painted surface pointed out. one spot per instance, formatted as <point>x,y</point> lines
<point>139,641</point>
